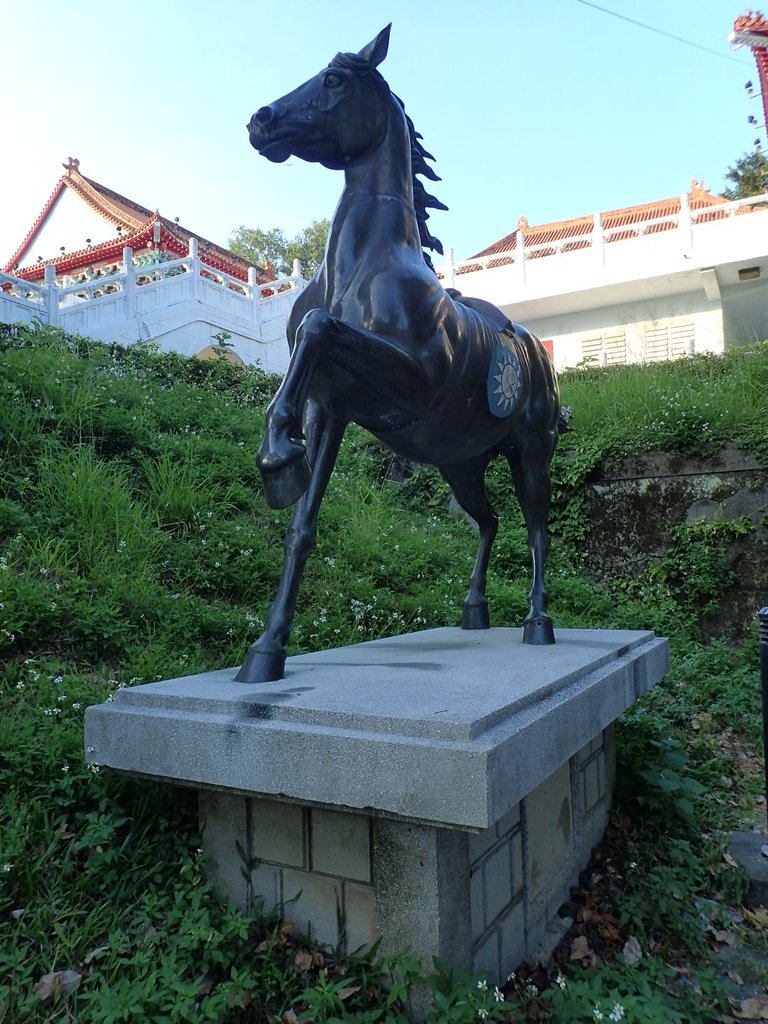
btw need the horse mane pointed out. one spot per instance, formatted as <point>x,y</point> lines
<point>422,200</point>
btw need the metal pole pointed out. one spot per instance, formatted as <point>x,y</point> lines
<point>762,616</point>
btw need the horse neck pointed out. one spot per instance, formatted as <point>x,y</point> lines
<point>378,195</point>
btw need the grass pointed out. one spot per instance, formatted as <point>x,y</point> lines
<point>135,544</point>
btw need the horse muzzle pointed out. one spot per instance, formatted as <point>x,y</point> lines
<point>266,137</point>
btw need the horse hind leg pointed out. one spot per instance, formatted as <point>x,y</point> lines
<point>529,462</point>
<point>467,481</point>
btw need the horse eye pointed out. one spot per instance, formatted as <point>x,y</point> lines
<point>332,80</point>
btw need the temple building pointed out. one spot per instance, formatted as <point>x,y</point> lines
<point>658,280</point>
<point>84,227</point>
<point>100,264</point>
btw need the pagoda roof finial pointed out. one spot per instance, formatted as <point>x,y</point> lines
<point>72,164</point>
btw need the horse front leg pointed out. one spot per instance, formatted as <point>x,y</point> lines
<point>382,363</point>
<point>265,661</point>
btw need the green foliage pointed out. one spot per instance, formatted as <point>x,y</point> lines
<point>272,247</point>
<point>630,995</point>
<point>135,544</point>
<point>693,405</point>
<point>749,176</point>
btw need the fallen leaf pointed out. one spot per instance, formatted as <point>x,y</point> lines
<point>289,1017</point>
<point>736,978</point>
<point>16,914</point>
<point>580,949</point>
<point>303,960</point>
<point>206,985</point>
<point>718,937</point>
<point>754,1008</point>
<point>64,981</point>
<point>731,861</point>
<point>93,953</point>
<point>345,993</point>
<point>632,952</point>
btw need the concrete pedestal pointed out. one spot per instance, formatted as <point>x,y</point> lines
<point>439,790</point>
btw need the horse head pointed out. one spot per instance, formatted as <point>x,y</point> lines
<point>334,118</point>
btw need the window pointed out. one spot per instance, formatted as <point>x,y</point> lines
<point>603,348</point>
<point>670,340</point>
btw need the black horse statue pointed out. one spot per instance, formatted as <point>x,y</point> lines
<point>376,340</point>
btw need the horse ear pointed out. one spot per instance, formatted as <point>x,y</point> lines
<point>375,52</point>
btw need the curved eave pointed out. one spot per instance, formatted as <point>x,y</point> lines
<point>28,238</point>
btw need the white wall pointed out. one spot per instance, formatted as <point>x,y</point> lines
<point>635,318</point>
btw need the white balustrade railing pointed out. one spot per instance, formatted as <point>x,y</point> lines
<point>685,221</point>
<point>140,285</point>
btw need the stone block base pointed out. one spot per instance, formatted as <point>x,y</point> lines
<point>482,901</point>
<point>440,790</point>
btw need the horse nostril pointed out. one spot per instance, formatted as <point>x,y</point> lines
<point>264,115</point>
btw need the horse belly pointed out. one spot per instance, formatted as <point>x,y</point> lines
<point>464,432</point>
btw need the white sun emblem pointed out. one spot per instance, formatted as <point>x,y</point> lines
<point>507,378</point>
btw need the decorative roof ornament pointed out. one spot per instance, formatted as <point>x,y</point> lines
<point>522,223</point>
<point>72,164</point>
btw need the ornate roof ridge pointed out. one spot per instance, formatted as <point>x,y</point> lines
<point>751,21</point>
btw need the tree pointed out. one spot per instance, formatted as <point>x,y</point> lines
<point>749,176</point>
<point>271,247</point>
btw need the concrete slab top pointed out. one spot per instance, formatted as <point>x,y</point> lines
<point>447,684</point>
<point>444,726</point>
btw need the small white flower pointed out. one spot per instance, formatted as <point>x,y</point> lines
<point>7,868</point>
<point>560,982</point>
<point>617,1012</point>
<point>498,995</point>
<point>482,986</point>
<point>597,1013</point>
<point>65,768</point>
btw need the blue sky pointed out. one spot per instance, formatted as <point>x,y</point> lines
<point>548,110</point>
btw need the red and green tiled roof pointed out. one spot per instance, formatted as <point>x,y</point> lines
<point>612,221</point>
<point>136,224</point>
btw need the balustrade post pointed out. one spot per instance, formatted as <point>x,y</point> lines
<point>129,286</point>
<point>298,271</point>
<point>685,224</point>
<point>51,296</point>
<point>598,240</point>
<point>520,255</point>
<point>449,270</point>
<point>194,267</point>
<point>253,293</point>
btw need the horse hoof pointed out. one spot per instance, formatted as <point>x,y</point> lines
<point>538,631</point>
<point>476,616</point>
<point>285,485</point>
<point>261,667</point>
